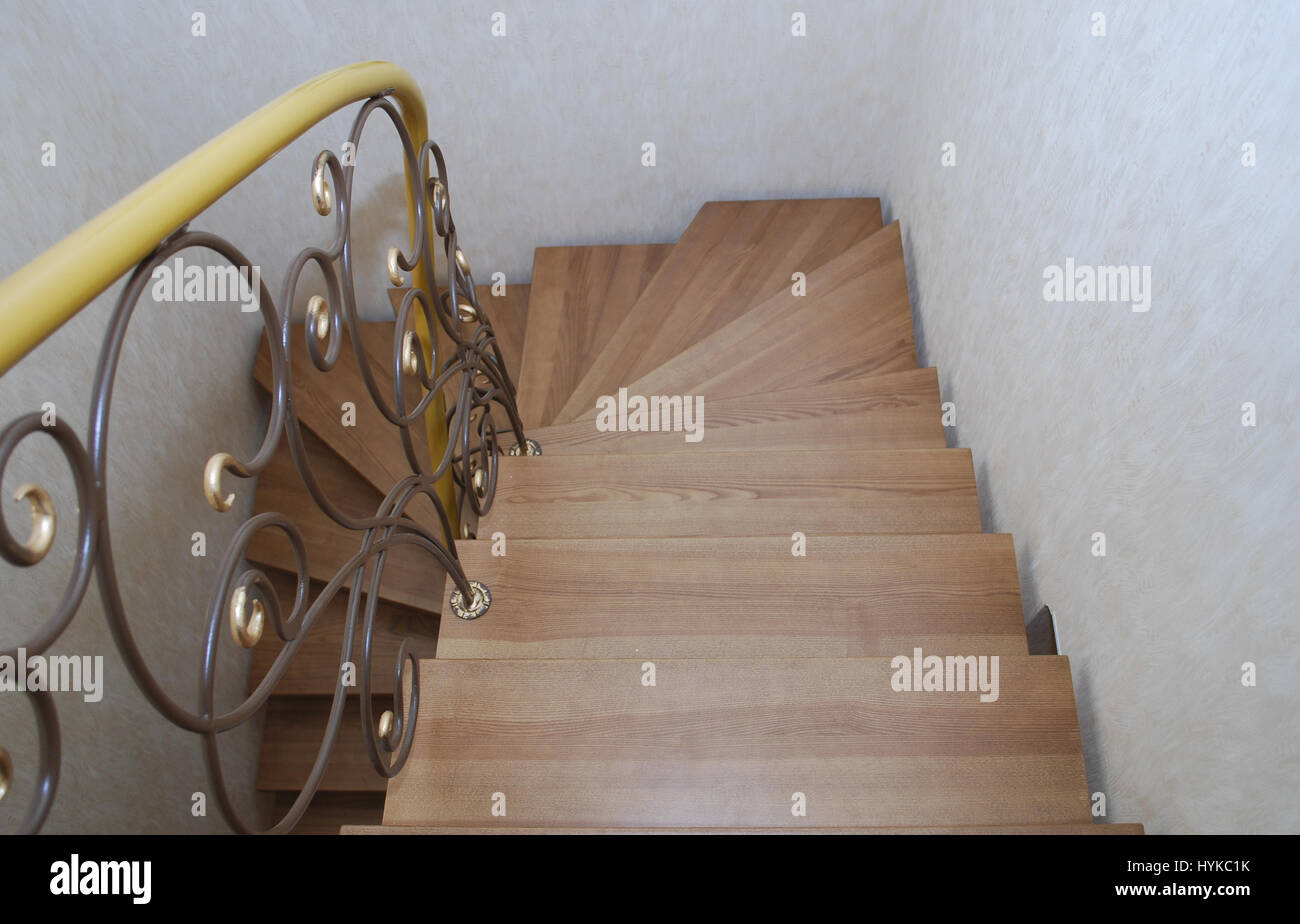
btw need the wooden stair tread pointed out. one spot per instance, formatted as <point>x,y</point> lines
<point>851,596</point>
<point>371,445</point>
<point>727,742</point>
<point>314,670</point>
<point>510,317</point>
<point>732,255</point>
<point>1065,829</point>
<point>701,493</point>
<point>580,296</point>
<point>898,410</point>
<point>331,812</point>
<point>508,312</point>
<point>411,577</point>
<point>291,734</point>
<point>856,320</point>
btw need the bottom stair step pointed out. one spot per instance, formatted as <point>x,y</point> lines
<point>330,812</point>
<point>1083,829</point>
<point>738,744</point>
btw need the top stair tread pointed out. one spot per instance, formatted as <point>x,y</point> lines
<point>856,320</point>
<point>580,295</point>
<point>732,255</point>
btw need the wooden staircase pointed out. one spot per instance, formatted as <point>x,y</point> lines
<point>693,636</point>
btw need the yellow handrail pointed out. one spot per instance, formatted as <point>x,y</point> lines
<point>41,296</point>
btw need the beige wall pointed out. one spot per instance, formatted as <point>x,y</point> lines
<point>1083,417</point>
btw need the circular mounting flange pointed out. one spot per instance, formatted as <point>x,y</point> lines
<point>477,606</point>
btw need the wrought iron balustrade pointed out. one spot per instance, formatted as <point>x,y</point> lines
<point>444,345</point>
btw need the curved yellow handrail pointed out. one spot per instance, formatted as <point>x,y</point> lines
<point>39,298</point>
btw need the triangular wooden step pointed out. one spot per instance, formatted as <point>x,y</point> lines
<point>732,256</point>
<point>411,577</point>
<point>856,320</point>
<point>291,734</point>
<point>850,596</point>
<point>581,295</point>
<point>735,743</point>
<point>453,830</point>
<point>509,313</point>
<point>715,494</point>
<point>314,671</point>
<point>897,410</point>
<point>366,439</point>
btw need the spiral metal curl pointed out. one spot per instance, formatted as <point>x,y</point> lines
<point>244,600</point>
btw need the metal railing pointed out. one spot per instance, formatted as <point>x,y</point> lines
<point>444,344</point>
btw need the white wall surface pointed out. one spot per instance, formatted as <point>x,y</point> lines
<point>1083,417</point>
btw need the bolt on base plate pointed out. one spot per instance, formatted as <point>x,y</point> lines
<point>478,605</point>
<point>532,448</point>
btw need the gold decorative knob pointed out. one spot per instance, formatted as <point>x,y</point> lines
<point>212,480</point>
<point>394,271</point>
<point>318,318</point>
<point>6,773</point>
<point>386,724</point>
<point>410,353</point>
<point>44,521</point>
<point>438,196</point>
<point>466,311</point>
<point>246,622</point>
<point>462,261</point>
<point>480,482</point>
<point>322,197</point>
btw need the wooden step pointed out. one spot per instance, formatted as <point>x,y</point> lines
<point>899,410</point>
<point>730,743</point>
<point>315,669</point>
<point>856,320</point>
<point>412,577</point>
<point>1069,829</point>
<point>330,812</point>
<point>713,494</point>
<point>851,596</point>
<point>508,313</point>
<point>733,255</point>
<point>291,734</point>
<point>370,444</point>
<point>580,296</point>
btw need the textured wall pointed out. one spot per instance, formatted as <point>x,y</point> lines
<point>1083,417</point>
<point>1086,417</point>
